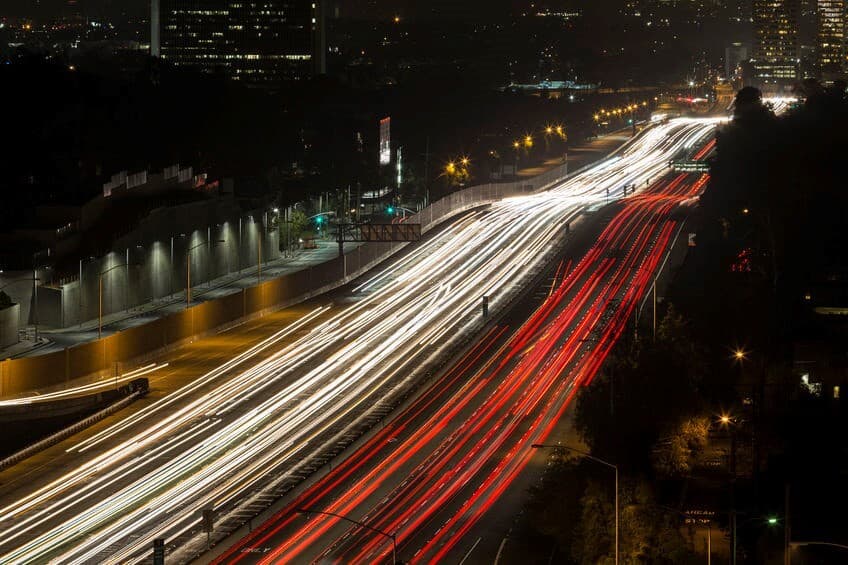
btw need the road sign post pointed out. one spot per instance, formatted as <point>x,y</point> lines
<point>208,525</point>
<point>159,551</point>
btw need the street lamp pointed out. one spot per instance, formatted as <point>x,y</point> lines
<point>188,267</point>
<point>392,537</point>
<point>100,296</point>
<point>596,460</point>
<point>80,290</point>
<point>740,355</point>
<point>35,279</point>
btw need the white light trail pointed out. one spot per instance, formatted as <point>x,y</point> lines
<point>235,429</point>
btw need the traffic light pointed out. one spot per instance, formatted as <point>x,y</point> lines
<point>390,210</point>
<point>319,220</point>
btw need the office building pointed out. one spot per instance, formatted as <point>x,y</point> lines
<point>259,43</point>
<point>775,55</point>
<point>830,39</point>
<point>734,57</point>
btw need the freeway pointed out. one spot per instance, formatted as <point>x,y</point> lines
<point>433,472</point>
<point>236,438</point>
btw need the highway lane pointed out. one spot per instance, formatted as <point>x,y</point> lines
<point>244,433</point>
<point>434,471</point>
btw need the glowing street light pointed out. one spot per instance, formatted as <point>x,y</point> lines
<point>465,161</point>
<point>528,141</point>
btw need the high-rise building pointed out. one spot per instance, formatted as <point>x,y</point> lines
<point>830,44</point>
<point>264,43</point>
<point>734,56</point>
<point>775,54</point>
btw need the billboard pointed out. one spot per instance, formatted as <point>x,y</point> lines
<point>385,141</point>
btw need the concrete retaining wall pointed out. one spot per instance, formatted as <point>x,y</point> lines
<point>9,325</point>
<point>156,270</point>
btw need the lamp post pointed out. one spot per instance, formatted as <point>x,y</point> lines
<point>731,423</point>
<point>35,280</point>
<point>100,297</point>
<point>80,291</point>
<point>517,146</point>
<point>392,537</point>
<point>596,460</point>
<point>768,520</point>
<point>188,266</point>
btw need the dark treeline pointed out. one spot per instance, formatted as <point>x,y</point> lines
<point>770,249</point>
<point>776,208</point>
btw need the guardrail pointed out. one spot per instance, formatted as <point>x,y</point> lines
<point>137,389</point>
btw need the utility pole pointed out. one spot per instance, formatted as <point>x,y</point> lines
<point>79,294</point>
<point>655,308</point>
<point>127,285</point>
<point>787,528</point>
<point>427,172</point>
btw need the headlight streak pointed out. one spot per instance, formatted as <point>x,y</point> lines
<point>537,365</point>
<point>85,389</point>
<point>419,300</point>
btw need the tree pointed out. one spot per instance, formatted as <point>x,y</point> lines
<point>675,453</point>
<point>299,223</point>
<point>645,390</point>
<point>552,505</point>
<point>595,536</point>
<point>749,105</point>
